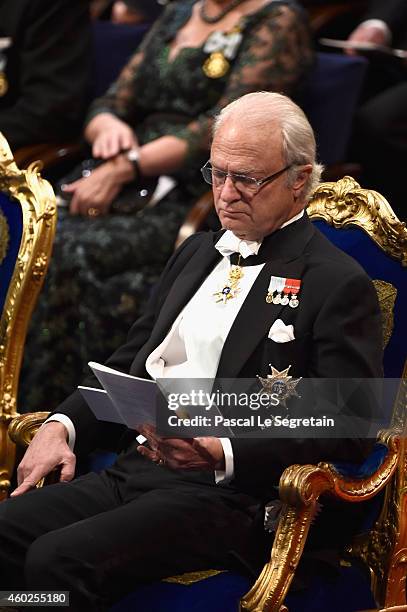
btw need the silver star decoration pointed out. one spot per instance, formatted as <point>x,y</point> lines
<point>280,383</point>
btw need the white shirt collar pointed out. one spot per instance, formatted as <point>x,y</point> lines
<point>229,243</point>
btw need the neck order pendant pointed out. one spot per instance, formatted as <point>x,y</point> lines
<point>231,287</point>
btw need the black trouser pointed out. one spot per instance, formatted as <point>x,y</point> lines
<point>99,536</point>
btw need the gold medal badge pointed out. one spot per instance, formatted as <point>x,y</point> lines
<point>231,287</point>
<point>216,66</point>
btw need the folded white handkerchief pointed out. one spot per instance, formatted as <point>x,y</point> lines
<point>280,332</point>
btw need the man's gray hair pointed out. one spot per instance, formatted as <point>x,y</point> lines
<point>263,110</point>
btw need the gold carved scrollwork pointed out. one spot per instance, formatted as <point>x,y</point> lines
<point>36,200</point>
<point>344,203</point>
<point>40,266</point>
<point>386,294</point>
<point>300,489</point>
<point>383,549</point>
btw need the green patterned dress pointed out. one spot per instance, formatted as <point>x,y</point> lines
<point>102,269</point>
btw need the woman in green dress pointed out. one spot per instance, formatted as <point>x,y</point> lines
<point>154,120</point>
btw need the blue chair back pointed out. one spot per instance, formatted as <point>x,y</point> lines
<point>361,223</point>
<point>330,99</point>
<point>113,45</point>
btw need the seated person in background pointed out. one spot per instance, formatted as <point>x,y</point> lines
<point>181,505</point>
<point>197,57</point>
<point>135,11</point>
<point>44,69</point>
<point>380,139</point>
<point>384,24</point>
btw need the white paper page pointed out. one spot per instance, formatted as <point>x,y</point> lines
<point>133,397</point>
<point>100,404</point>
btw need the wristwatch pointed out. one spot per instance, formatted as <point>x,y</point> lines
<point>133,155</point>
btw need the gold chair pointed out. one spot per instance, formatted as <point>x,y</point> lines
<point>364,224</point>
<point>361,222</point>
<point>27,226</point>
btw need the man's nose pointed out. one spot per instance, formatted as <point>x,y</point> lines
<point>229,193</point>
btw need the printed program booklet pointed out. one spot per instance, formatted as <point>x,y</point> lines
<point>124,398</point>
<point>132,401</point>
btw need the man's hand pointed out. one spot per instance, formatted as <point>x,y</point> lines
<point>367,34</point>
<point>48,450</point>
<point>183,454</point>
<point>109,136</point>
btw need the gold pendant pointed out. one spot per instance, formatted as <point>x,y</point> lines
<point>231,287</point>
<point>216,66</point>
<point>3,84</point>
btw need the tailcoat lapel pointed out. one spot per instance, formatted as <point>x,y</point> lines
<point>283,253</point>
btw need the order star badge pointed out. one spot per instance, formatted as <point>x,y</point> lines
<point>281,384</point>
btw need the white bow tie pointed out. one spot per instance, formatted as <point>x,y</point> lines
<point>229,243</point>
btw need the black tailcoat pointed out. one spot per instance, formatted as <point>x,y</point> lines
<point>337,335</point>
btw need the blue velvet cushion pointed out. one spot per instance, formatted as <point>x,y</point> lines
<point>13,213</point>
<point>219,593</point>
<point>347,591</point>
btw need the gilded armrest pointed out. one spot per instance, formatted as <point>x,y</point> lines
<point>300,488</point>
<point>23,428</point>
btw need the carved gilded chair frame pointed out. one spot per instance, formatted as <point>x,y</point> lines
<point>37,201</point>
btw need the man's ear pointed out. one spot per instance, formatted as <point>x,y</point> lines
<point>302,176</point>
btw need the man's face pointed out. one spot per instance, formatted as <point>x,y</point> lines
<point>240,150</point>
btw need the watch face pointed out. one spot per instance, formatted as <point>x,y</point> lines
<point>133,155</point>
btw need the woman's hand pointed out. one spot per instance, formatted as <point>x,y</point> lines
<point>94,194</point>
<point>109,136</point>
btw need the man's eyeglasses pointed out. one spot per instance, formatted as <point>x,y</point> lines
<point>243,183</point>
